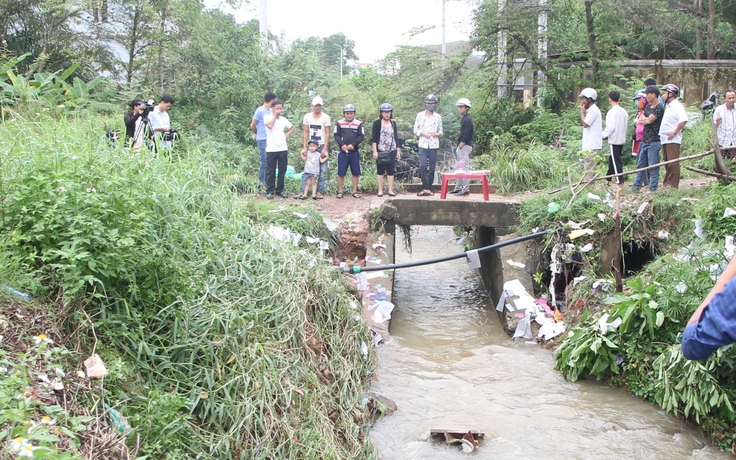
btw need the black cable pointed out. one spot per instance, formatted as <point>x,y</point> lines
<point>356,269</point>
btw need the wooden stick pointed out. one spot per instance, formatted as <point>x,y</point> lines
<point>626,173</point>
<point>711,173</point>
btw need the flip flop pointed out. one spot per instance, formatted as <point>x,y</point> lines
<point>339,195</point>
<point>380,195</point>
<point>424,193</point>
<point>319,196</point>
<point>356,195</point>
<point>391,194</point>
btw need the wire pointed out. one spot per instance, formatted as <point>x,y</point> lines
<point>355,269</point>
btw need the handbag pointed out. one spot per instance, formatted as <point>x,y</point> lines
<point>385,158</point>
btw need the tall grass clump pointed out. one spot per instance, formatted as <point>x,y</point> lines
<point>221,341</point>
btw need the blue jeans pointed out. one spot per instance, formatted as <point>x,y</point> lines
<point>261,143</point>
<point>648,156</point>
<point>322,177</point>
<point>427,163</point>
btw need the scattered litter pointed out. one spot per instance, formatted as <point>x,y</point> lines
<point>515,264</point>
<point>362,282</point>
<point>95,367</point>
<point>373,260</point>
<point>530,342</point>
<point>662,234</point>
<point>331,224</point>
<point>587,248</point>
<point>279,209</point>
<point>473,259</point>
<point>524,328</point>
<point>728,212</point>
<point>576,225</point>
<point>376,274</point>
<point>642,207</point>
<point>699,229</point>
<point>364,349</point>
<point>577,279</point>
<point>604,284</point>
<point>553,208</point>
<point>383,311</point>
<point>730,248</point>
<point>551,330</point>
<point>593,196</point>
<point>681,287</point>
<point>18,294</point>
<point>353,305</point>
<point>279,233</point>
<point>295,239</point>
<point>578,233</point>
<point>461,240</point>
<point>117,421</point>
<point>604,324</point>
<point>601,217</point>
<point>378,245</point>
<point>301,215</point>
<point>311,240</point>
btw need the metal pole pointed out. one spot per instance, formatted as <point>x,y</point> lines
<point>263,25</point>
<point>444,44</point>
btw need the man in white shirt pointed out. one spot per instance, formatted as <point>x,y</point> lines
<point>316,125</point>
<point>725,119</point>
<point>278,130</point>
<point>590,116</point>
<point>617,125</point>
<point>428,127</point>
<point>670,134</point>
<point>160,123</point>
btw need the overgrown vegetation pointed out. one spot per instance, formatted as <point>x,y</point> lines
<point>221,342</point>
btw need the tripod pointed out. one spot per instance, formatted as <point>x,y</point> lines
<point>144,134</point>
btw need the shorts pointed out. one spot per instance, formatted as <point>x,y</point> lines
<point>388,169</point>
<point>307,176</point>
<point>351,159</point>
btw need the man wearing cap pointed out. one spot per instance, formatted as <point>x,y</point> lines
<point>259,131</point>
<point>670,134</point>
<point>464,145</point>
<point>316,125</point>
<point>725,119</point>
<point>649,151</point>
<point>428,127</point>
<point>590,116</point>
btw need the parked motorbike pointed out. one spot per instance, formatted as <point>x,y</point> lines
<point>709,105</point>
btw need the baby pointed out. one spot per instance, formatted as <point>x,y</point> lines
<point>311,169</point>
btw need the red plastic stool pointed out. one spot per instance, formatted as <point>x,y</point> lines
<point>472,175</point>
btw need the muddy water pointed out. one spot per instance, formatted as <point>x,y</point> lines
<point>450,365</point>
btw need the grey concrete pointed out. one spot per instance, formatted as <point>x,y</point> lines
<point>501,215</point>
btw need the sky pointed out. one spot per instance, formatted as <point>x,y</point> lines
<point>376,26</point>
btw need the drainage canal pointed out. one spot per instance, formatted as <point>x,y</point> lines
<point>449,365</point>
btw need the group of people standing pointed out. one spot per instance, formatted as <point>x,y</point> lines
<point>659,123</point>
<point>271,131</point>
<point>146,121</point>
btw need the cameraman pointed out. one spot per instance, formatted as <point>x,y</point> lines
<point>132,122</point>
<point>160,122</point>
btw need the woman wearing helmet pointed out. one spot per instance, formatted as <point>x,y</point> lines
<point>386,147</point>
<point>428,127</point>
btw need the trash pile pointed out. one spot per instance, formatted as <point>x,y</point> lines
<point>526,315</point>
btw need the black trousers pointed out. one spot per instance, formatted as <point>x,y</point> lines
<point>615,164</point>
<point>274,159</point>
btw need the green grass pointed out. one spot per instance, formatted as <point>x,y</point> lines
<point>222,342</point>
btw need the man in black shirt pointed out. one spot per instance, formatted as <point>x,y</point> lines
<point>464,146</point>
<point>650,147</point>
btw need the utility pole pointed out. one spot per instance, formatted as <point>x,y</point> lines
<point>541,46</point>
<point>501,55</point>
<point>444,44</point>
<point>263,26</point>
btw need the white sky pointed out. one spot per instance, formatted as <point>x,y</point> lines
<point>376,26</point>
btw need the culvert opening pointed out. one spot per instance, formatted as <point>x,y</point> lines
<point>636,255</point>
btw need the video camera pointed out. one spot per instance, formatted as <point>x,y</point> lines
<point>172,135</point>
<point>148,109</point>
